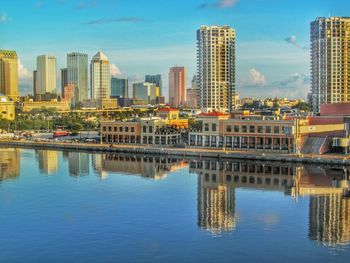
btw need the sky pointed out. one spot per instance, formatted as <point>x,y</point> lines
<point>149,36</point>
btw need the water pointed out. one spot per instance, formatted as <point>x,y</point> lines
<point>80,207</point>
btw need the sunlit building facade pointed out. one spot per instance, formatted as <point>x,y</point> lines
<point>46,75</point>
<point>119,88</point>
<point>177,86</point>
<point>100,77</point>
<point>157,80</point>
<point>9,73</point>
<point>216,67</point>
<point>77,74</point>
<point>330,57</point>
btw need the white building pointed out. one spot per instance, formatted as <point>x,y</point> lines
<point>100,77</point>
<point>46,75</point>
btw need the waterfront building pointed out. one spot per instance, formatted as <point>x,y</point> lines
<point>119,88</point>
<point>330,57</point>
<point>145,92</point>
<point>192,94</point>
<point>9,74</point>
<point>100,77</point>
<point>46,75</point>
<point>27,106</point>
<point>77,74</point>
<point>7,108</point>
<point>64,80</point>
<point>157,80</point>
<point>177,86</point>
<point>216,68</point>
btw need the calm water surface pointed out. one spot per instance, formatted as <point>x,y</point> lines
<point>80,207</point>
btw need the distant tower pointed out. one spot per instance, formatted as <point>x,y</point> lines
<point>100,77</point>
<point>330,58</point>
<point>119,88</point>
<point>157,80</point>
<point>9,73</point>
<point>77,74</point>
<point>64,80</point>
<point>177,86</point>
<point>46,74</point>
<point>216,67</point>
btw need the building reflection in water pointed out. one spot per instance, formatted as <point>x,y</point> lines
<point>329,215</point>
<point>9,163</point>
<point>155,168</point>
<point>48,161</point>
<point>78,163</point>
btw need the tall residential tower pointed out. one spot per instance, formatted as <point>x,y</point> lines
<point>216,67</point>
<point>100,77</point>
<point>9,73</point>
<point>330,71</point>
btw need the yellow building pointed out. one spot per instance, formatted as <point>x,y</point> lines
<point>30,105</point>
<point>9,74</point>
<point>7,109</point>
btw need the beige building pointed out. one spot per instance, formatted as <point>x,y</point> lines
<point>29,105</point>
<point>216,67</point>
<point>46,75</point>
<point>330,56</point>
<point>7,109</point>
<point>9,74</point>
<point>100,77</point>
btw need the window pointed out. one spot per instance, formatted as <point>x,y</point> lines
<point>268,129</point>
<point>206,127</point>
<point>150,128</point>
<point>115,129</point>
<point>109,128</point>
<point>126,129</point>
<point>236,128</point>
<point>120,129</point>
<point>252,129</point>
<point>260,129</point>
<point>104,128</point>
<point>276,129</point>
<point>244,128</point>
<point>228,178</point>
<point>144,129</point>
<point>213,177</point>
<point>213,127</point>
<point>132,129</point>
<point>228,128</point>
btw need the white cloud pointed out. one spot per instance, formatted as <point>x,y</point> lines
<point>256,78</point>
<point>115,71</point>
<point>4,18</point>
<point>23,72</point>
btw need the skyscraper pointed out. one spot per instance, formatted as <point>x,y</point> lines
<point>77,74</point>
<point>46,74</point>
<point>9,73</point>
<point>155,79</point>
<point>100,77</point>
<point>177,86</point>
<point>216,67</point>
<point>119,88</point>
<point>330,57</point>
<point>192,94</point>
<point>64,80</point>
<point>35,83</point>
<point>147,92</point>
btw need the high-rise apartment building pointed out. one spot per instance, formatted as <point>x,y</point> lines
<point>330,57</point>
<point>46,75</point>
<point>119,88</point>
<point>9,73</point>
<point>100,77</point>
<point>177,86</point>
<point>216,67</point>
<point>64,80</point>
<point>77,74</point>
<point>155,79</point>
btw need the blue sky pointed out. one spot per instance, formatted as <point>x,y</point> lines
<point>148,37</point>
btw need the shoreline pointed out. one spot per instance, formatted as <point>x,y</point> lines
<point>180,152</point>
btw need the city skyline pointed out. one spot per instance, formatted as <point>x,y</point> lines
<point>270,59</point>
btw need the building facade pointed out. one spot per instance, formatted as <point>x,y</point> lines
<point>330,57</point>
<point>216,68</point>
<point>64,80</point>
<point>119,88</point>
<point>100,77</point>
<point>46,75</point>
<point>7,109</point>
<point>192,94</point>
<point>9,74</point>
<point>177,86</point>
<point>157,80</point>
<point>146,92</point>
<point>77,74</point>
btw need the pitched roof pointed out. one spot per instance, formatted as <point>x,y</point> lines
<point>100,56</point>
